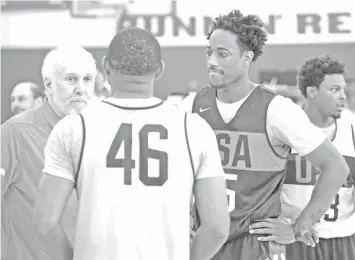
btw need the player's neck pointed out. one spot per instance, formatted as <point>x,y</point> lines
<point>316,117</point>
<point>235,91</point>
<point>133,87</point>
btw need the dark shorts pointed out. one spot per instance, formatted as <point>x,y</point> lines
<point>342,248</point>
<point>249,248</point>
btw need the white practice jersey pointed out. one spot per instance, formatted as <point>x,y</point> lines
<point>301,176</point>
<point>138,166</point>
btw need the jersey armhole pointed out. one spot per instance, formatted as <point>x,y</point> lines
<point>189,147</point>
<point>193,209</point>
<point>81,152</point>
<point>193,106</point>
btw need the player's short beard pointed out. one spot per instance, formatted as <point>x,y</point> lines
<point>220,86</point>
<point>223,85</point>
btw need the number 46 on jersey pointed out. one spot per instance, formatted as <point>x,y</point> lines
<point>124,137</point>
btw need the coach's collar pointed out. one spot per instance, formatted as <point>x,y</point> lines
<point>49,114</point>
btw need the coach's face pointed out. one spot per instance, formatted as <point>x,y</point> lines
<point>330,96</point>
<point>73,86</point>
<point>226,62</point>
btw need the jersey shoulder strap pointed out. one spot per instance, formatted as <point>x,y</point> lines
<point>189,147</point>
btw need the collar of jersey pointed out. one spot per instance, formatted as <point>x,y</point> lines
<point>134,102</point>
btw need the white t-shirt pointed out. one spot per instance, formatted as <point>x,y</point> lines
<point>301,177</point>
<point>287,124</point>
<point>117,220</point>
<point>350,115</point>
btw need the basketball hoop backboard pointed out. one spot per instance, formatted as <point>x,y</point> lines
<point>98,8</point>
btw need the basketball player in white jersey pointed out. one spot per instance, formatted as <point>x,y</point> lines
<point>322,83</point>
<point>135,162</point>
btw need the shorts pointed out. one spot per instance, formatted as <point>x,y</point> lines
<point>342,248</point>
<point>249,248</point>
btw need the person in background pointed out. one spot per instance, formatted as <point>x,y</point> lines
<point>192,87</point>
<point>24,96</point>
<point>321,81</point>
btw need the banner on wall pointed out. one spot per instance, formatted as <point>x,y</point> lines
<point>174,23</point>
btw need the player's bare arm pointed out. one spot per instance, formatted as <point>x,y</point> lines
<point>210,195</point>
<point>327,186</point>
<point>323,194</point>
<point>55,188</point>
<point>291,213</point>
<point>52,197</point>
<point>211,203</point>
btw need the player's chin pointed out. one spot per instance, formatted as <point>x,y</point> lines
<point>217,84</point>
<point>216,80</point>
<point>337,115</point>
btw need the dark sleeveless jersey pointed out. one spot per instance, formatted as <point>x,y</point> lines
<point>254,171</point>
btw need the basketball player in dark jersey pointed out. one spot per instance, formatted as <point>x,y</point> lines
<point>255,129</point>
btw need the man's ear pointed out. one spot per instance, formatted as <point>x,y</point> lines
<point>47,83</point>
<point>161,70</point>
<point>312,92</point>
<point>248,57</point>
<point>106,66</point>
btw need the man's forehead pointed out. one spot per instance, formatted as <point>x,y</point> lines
<point>334,80</point>
<point>21,90</point>
<point>223,39</point>
<point>78,68</point>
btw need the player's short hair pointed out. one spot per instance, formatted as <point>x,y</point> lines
<point>314,69</point>
<point>134,52</point>
<point>248,29</point>
<point>63,55</point>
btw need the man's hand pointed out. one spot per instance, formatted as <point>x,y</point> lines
<point>310,238</point>
<point>281,231</point>
<point>278,230</point>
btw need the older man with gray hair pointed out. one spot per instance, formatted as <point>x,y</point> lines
<point>69,76</point>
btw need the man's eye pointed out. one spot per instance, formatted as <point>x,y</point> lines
<point>70,79</point>
<point>88,79</point>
